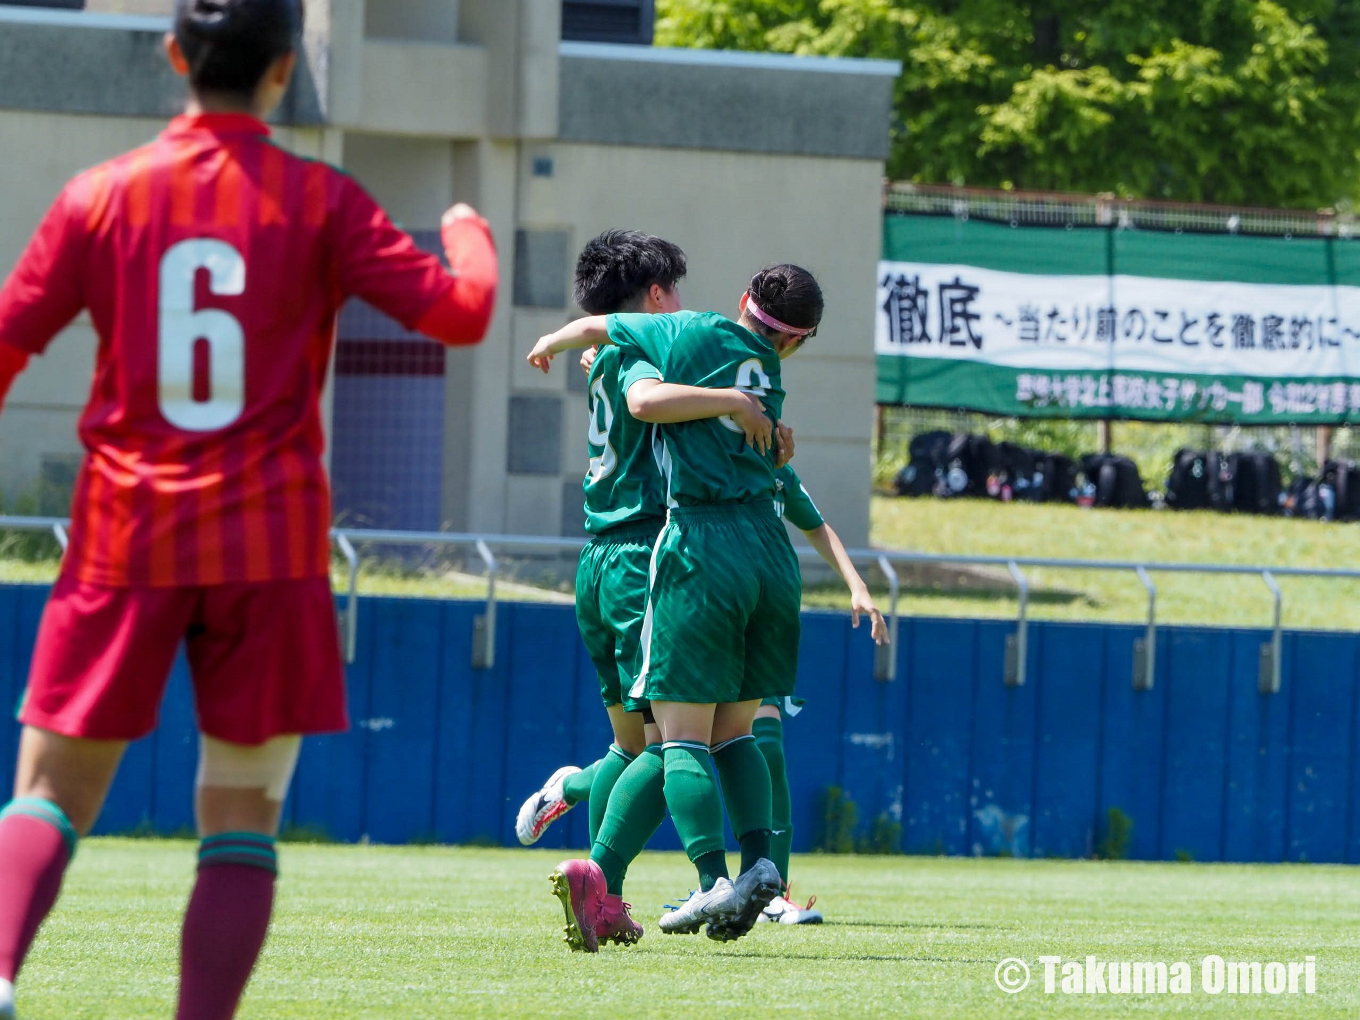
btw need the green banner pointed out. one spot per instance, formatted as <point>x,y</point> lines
<point>1118,323</point>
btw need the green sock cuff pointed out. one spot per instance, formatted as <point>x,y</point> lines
<point>711,866</point>
<point>45,811</point>
<point>576,787</point>
<point>616,749</point>
<point>765,729</point>
<point>253,849</point>
<point>734,742</point>
<point>656,749</point>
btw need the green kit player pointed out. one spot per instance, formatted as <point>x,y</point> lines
<point>625,510</point>
<point>793,503</point>
<point>722,625</point>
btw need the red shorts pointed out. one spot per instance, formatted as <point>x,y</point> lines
<point>265,659</point>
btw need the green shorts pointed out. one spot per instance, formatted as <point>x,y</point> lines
<point>723,615</point>
<point>611,601</point>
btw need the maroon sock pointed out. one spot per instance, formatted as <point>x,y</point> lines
<point>225,925</point>
<point>36,842</point>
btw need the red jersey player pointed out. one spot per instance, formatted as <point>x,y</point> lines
<point>213,264</point>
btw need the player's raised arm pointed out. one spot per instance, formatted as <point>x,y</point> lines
<point>381,264</point>
<point>586,332</point>
<point>42,295</point>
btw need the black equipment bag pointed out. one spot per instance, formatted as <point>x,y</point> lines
<point>1058,483</point>
<point>1116,480</point>
<point>924,473</point>
<point>1257,484</point>
<point>1311,499</point>
<point>1199,480</point>
<point>970,464</point>
<point>1344,480</point>
<point>1021,475</point>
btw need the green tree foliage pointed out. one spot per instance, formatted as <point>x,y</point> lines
<point>1229,101</point>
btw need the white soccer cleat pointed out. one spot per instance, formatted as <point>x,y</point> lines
<point>6,1000</point>
<point>540,810</point>
<point>756,887</point>
<point>719,903</point>
<point>782,910</point>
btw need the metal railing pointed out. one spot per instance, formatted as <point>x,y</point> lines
<point>887,561</point>
<point>1065,209</point>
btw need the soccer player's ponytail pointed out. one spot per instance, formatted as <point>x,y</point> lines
<point>786,296</point>
<point>230,44</point>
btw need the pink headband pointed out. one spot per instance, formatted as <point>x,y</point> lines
<point>769,320</point>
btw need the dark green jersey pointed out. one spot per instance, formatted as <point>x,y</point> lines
<point>792,502</point>
<point>708,461</point>
<point>624,483</point>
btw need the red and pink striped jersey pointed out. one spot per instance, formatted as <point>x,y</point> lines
<point>213,264</point>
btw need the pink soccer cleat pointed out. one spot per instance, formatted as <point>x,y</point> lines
<point>616,924</point>
<point>580,886</point>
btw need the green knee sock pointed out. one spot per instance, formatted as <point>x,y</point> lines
<point>607,772</point>
<point>746,789</point>
<point>576,787</point>
<point>769,734</point>
<point>636,809</point>
<point>692,796</point>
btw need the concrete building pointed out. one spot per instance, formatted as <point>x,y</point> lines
<point>742,159</point>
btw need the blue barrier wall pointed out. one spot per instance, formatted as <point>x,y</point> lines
<point>1203,764</point>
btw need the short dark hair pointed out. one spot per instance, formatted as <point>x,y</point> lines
<point>790,294</point>
<point>230,44</point>
<point>616,270</point>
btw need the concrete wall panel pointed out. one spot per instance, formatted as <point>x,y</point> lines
<point>634,95</point>
<point>428,20</point>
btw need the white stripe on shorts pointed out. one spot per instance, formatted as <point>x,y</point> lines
<point>639,688</point>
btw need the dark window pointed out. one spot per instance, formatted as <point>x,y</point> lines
<point>535,441</point>
<point>615,21</point>
<point>542,267</point>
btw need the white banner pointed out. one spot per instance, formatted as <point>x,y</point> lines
<point>1120,323</point>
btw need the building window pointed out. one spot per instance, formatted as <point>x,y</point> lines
<point>614,21</point>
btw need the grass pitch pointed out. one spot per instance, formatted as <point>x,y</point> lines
<point>426,932</point>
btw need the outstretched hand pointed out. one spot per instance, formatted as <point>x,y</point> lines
<point>862,603</point>
<point>543,353</point>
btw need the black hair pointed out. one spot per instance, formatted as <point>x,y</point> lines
<point>616,270</point>
<point>230,44</point>
<point>788,293</point>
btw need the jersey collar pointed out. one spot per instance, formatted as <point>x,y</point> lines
<point>218,124</point>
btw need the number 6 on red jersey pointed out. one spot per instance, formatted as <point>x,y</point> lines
<point>182,327</point>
